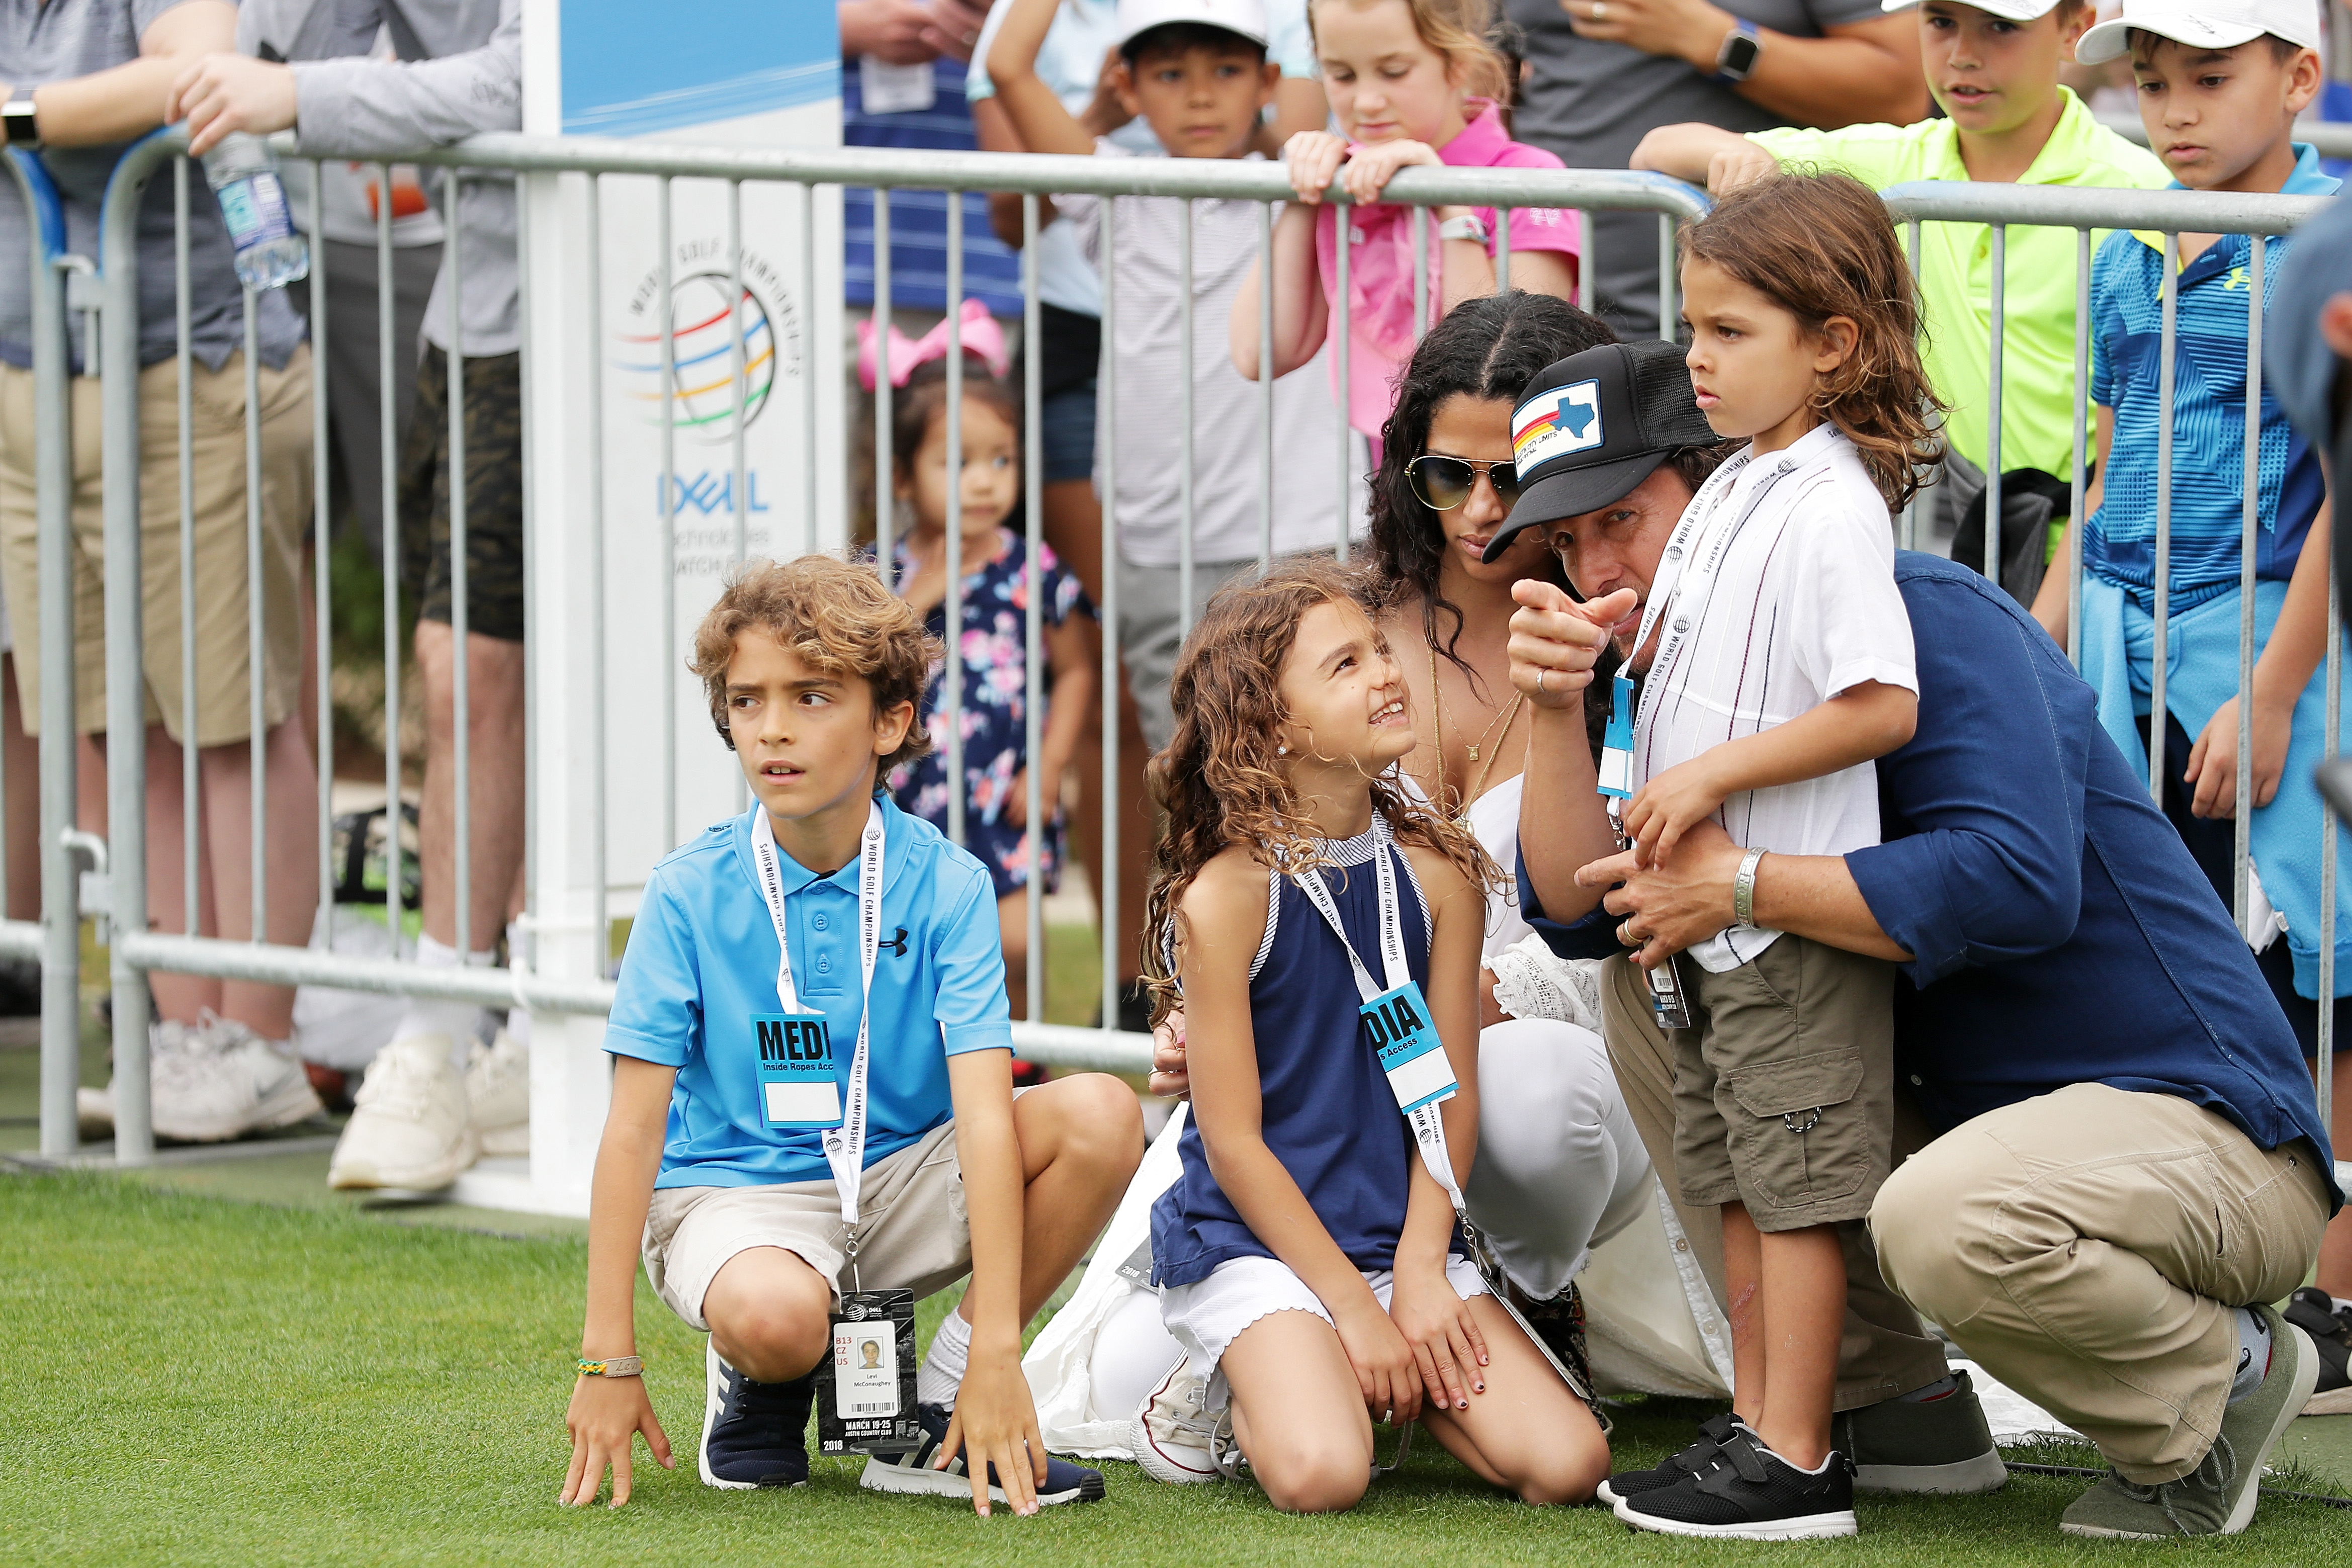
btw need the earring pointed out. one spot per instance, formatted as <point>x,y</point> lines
<point>1282,751</point>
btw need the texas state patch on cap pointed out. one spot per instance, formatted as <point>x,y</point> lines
<point>1554,423</point>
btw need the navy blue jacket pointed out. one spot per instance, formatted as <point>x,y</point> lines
<point>2059,931</point>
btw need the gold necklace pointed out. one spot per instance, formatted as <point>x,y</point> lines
<point>1505,719</point>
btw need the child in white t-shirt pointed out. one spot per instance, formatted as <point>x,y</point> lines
<point>1779,665</point>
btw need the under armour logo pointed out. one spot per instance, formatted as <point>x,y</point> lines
<point>897,944</point>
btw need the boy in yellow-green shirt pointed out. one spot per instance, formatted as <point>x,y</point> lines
<point>1993,70</point>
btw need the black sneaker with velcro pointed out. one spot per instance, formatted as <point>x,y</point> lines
<point>912,1473</point>
<point>2314,1311</point>
<point>1689,1462</point>
<point>1747,1493</point>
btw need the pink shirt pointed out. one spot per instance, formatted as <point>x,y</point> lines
<point>1379,265</point>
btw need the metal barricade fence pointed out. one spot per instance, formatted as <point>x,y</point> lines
<point>579,170</point>
<point>582,166</point>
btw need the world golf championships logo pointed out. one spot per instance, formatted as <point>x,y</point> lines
<point>712,391</point>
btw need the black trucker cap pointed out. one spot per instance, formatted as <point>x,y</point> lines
<point>1591,427</point>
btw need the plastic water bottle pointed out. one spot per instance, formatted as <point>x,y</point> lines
<point>243,174</point>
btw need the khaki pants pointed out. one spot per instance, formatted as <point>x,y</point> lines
<point>217,440</point>
<point>1884,1351</point>
<point>2088,1246</point>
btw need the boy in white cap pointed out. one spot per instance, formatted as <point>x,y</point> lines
<point>1197,72</point>
<point>1993,70</point>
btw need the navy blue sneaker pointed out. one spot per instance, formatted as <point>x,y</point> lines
<point>753,1434</point>
<point>911,1473</point>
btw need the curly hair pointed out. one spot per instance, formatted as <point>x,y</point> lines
<point>1221,780</point>
<point>1488,348</point>
<point>840,619</point>
<point>1819,246</point>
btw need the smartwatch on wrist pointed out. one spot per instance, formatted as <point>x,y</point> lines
<point>1469,226</point>
<point>23,130</point>
<point>1735,62</point>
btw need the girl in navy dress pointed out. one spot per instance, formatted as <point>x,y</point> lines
<point>995,620</point>
<point>1307,1256</point>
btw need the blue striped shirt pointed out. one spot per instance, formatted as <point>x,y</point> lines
<point>2209,420</point>
<point>918,219</point>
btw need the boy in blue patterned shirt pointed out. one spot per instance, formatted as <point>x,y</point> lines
<point>2220,82</point>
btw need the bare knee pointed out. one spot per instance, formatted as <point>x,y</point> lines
<point>1568,1473</point>
<point>768,1341</point>
<point>1102,1125</point>
<point>1319,1477</point>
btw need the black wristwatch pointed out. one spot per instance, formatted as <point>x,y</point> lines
<point>23,131</point>
<point>1735,60</point>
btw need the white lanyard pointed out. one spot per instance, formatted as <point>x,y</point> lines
<point>1428,1125</point>
<point>844,1146</point>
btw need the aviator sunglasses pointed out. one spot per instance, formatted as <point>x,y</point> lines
<point>1444,483</point>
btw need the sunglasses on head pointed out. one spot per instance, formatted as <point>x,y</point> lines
<point>1444,483</point>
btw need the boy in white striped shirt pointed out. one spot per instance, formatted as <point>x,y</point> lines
<point>1781,667</point>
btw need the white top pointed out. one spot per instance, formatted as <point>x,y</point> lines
<point>1146,337</point>
<point>1776,592</point>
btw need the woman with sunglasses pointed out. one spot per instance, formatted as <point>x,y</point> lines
<point>1561,1165</point>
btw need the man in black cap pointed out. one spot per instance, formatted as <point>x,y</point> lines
<point>2072,1011</point>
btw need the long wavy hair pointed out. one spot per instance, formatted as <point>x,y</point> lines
<point>1488,348</point>
<point>1221,780</point>
<point>1818,245</point>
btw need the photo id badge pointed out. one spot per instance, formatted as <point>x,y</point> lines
<point>1419,1073</point>
<point>1667,998</point>
<point>797,1088</point>
<point>866,1404</point>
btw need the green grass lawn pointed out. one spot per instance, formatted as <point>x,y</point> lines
<point>190,1380</point>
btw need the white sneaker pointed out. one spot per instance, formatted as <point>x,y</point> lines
<point>1175,1438</point>
<point>498,1096</point>
<point>220,1080</point>
<point>408,1126</point>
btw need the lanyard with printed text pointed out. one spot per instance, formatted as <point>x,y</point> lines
<point>1419,1072</point>
<point>844,1146</point>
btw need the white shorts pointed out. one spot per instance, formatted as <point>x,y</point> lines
<point>1209,1314</point>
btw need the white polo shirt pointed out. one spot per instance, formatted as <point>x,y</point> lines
<point>1777,593</point>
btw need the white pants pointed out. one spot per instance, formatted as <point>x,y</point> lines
<point>1561,1165</point>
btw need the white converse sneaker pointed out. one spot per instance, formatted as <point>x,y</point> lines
<point>1175,1438</point>
<point>220,1080</point>
<point>498,1096</point>
<point>408,1126</point>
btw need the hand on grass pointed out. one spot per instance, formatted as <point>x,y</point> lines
<point>995,1423</point>
<point>1387,1372</point>
<point>1448,1348</point>
<point>1668,806</point>
<point>606,1414</point>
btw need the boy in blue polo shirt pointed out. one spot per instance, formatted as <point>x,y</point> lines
<point>2220,82</point>
<point>759,1188</point>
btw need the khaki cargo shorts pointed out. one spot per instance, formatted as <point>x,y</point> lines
<point>912,1234</point>
<point>1784,1091</point>
<point>217,400</point>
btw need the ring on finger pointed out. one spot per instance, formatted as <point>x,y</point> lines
<point>1600,9</point>
<point>1539,680</point>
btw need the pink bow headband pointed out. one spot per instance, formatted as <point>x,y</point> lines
<point>981,336</point>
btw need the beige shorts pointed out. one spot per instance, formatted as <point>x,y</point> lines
<point>217,399</point>
<point>1784,1092</point>
<point>911,1236</point>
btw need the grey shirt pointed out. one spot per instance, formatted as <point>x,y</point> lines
<point>1592,102</point>
<point>58,41</point>
<point>459,72</point>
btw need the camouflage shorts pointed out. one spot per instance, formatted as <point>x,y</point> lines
<point>493,435</point>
